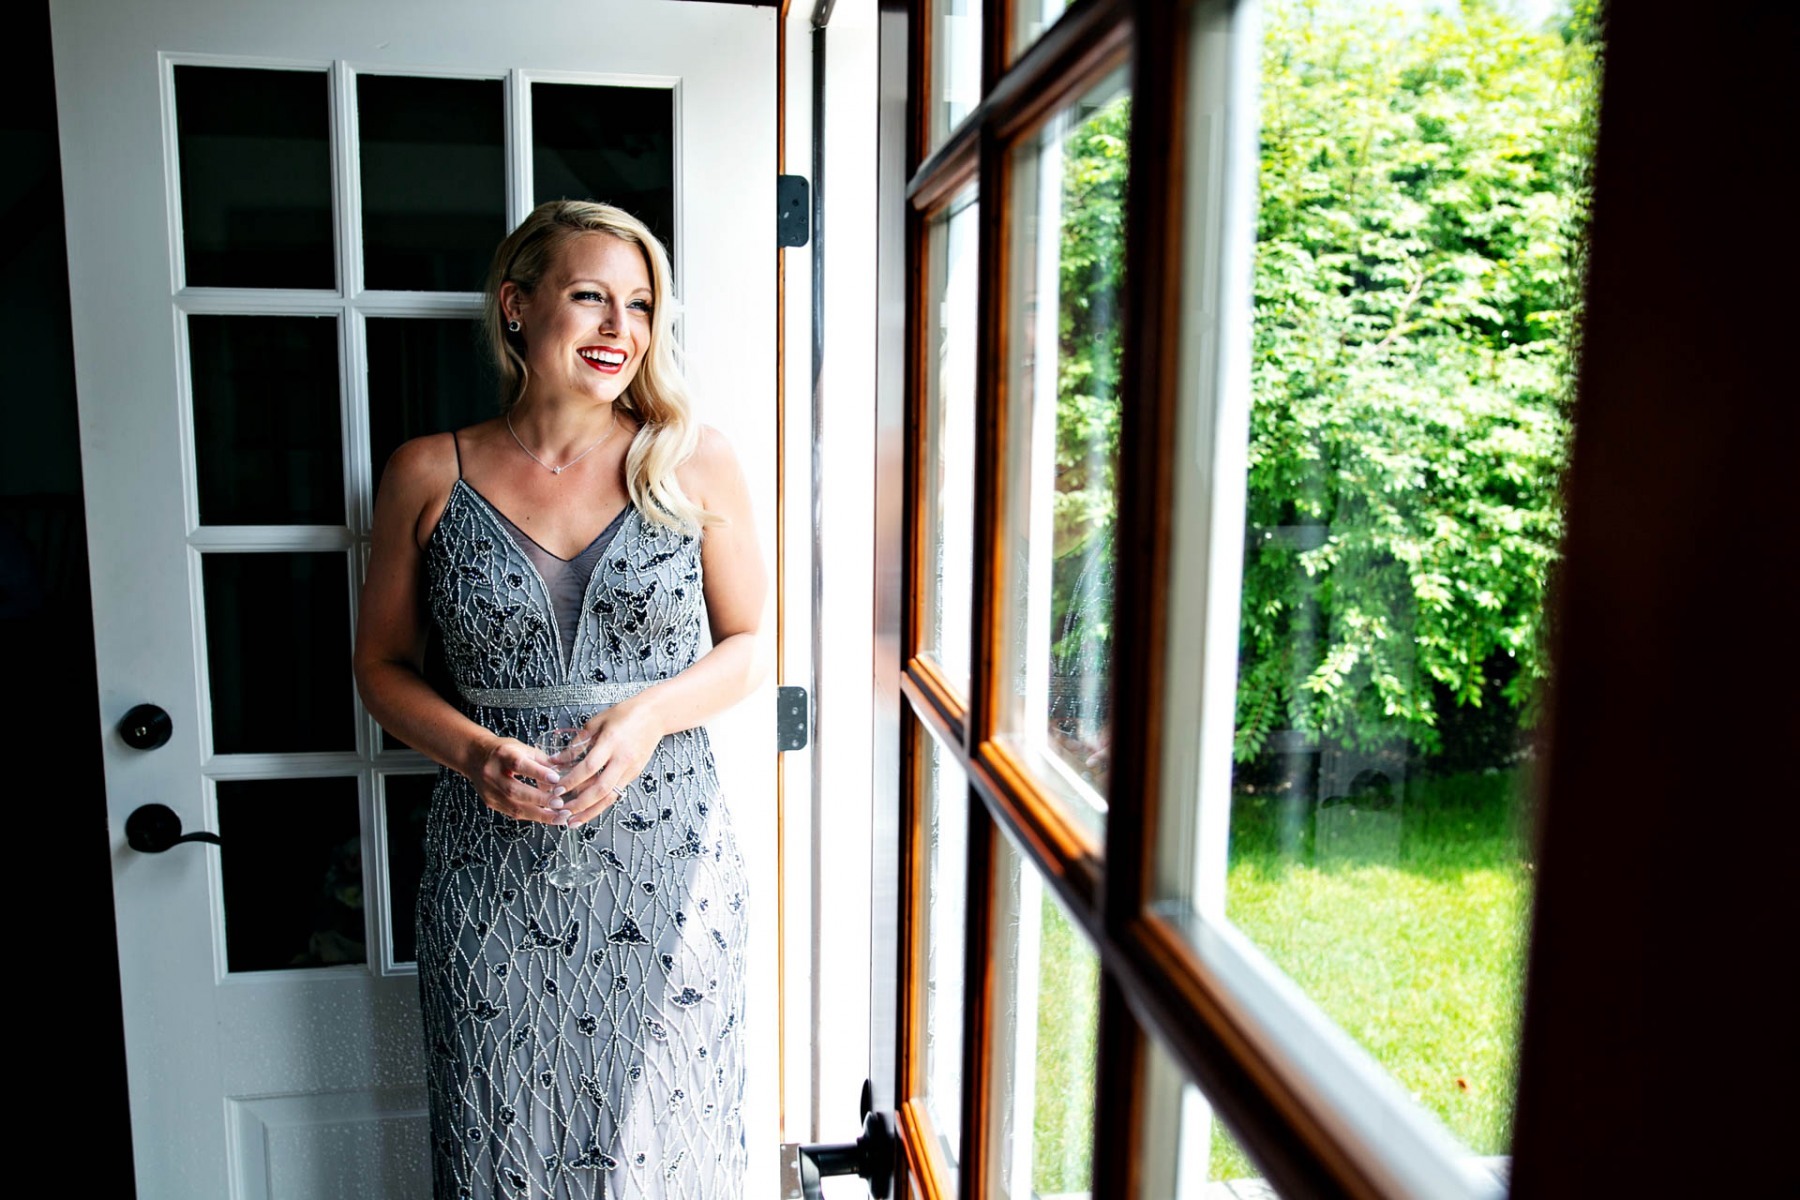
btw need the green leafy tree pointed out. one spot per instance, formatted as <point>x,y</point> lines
<point>1424,189</point>
<point>1423,201</point>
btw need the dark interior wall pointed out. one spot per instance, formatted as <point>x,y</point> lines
<point>39,453</point>
<point>44,603</point>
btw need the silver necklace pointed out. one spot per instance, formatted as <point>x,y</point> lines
<point>610,426</point>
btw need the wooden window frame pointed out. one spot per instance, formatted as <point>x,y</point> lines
<point>1150,976</point>
<point>1644,364</point>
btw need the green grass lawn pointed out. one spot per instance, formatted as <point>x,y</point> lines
<point>1413,945</point>
<point>1419,958</point>
<point>1062,1124</point>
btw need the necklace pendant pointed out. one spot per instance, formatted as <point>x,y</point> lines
<point>558,470</point>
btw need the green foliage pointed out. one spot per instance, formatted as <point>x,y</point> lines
<point>1424,192</point>
<point>1424,195</point>
<point>1068,1033</point>
<point>1089,287</point>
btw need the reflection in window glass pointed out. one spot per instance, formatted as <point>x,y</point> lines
<point>278,651</point>
<point>254,149</point>
<point>1031,18</point>
<point>949,485</point>
<point>1424,183</point>
<point>1046,1025</point>
<point>612,144</point>
<point>433,166</point>
<point>292,889</point>
<point>406,803</point>
<point>955,64</point>
<point>1063,424</point>
<point>1189,1153</point>
<point>945,796</point>
<point>268,449</point>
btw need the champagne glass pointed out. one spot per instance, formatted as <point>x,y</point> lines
<point>575,865</point>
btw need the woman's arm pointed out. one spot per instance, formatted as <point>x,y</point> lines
<point>736,588</point>
<point>390,643</point>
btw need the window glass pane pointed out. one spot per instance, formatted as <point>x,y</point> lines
<point>426,375</point>
<point>1030,19</point>
<point>955,64</point>
<point>612,144</point>
<point>1046,1024</point>
<point>949,483</point>
<point>406,800</point>
<point>1063,438</point>
<point>291,857</point>
<point>1189,1153</point>
<point>944,796</point>
<point>433,180</point>
<point>267,443</point>
<point>278,652</point>
<point>1400,438</point>
<point>255,162</point>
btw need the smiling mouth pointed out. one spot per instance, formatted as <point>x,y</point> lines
<point>602,358</point>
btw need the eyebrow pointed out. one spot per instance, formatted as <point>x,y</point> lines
<point>642,291</point>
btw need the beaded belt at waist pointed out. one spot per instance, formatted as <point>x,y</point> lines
<point>567,695</point>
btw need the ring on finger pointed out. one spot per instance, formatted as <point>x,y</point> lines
<point>619,791</point>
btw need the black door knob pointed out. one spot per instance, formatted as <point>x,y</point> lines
<point>146,727</point>
<point>153,828</point>
<point>870,1156</point>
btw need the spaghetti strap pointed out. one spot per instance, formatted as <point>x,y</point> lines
<point>457,442</point>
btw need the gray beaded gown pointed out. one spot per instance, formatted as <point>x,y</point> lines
<point>583,1042</point>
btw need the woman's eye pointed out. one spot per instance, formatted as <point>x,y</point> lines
<point>641,305</point>
<point>589,296</point>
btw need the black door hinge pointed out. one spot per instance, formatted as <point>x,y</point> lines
<point>793,210</point>
<point>792,709</point>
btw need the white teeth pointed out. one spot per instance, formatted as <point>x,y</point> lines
<point>613,358</point>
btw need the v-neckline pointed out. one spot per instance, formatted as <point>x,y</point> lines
<point>504,523</point>
<point>512,526</point>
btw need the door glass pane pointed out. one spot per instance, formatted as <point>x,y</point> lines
<point>1046,1023</point>
<point>433,162</point>
<point>955,65</point>
<point>944,796</point>
<point>949,484</point>
<point>291,860</point>
<point>406,799</point>
<point>1063,435</point>
<point>426,375</point>
<point>612,144</point>
<point>267,443</point>
<point>255,162</point>
<point>1417,285</point>
<point>278,651</point>
<point>1030,19</point>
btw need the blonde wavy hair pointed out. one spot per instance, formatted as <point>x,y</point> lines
<point>657,396</point>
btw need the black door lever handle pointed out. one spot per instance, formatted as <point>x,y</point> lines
<point>153,828</point>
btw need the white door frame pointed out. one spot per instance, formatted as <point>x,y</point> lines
<point>224,1067</point>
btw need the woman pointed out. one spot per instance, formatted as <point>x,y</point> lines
<point>582,1041</point>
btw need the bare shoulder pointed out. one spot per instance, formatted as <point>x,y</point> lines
<point>711,475</point>
<point>417,480</point>
<point>421,466</point>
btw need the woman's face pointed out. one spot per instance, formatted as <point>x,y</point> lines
<point>587,327</point>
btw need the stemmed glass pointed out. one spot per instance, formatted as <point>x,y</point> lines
<point>575,864</point>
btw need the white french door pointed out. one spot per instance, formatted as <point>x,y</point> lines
<point>278,222</point>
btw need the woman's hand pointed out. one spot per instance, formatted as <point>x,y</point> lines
<point>624,738</point>
<point>505,765</point>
